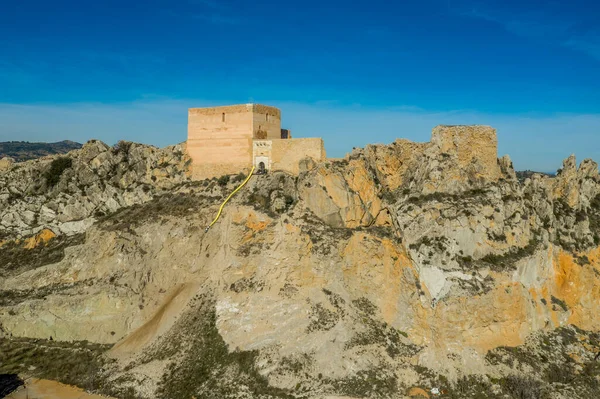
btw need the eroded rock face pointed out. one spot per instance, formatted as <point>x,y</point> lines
<point>457,158</point>
<point>68,193</point>
<point>368,277</point>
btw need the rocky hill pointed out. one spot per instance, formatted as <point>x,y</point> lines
<point>21,151</point>
<point>403,270</point>
<point>528,174</point>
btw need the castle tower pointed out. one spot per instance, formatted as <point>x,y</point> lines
<point>220,138</point>
<point>231,139</point>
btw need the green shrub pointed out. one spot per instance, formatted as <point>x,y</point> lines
<point>507,261</point>
<point>202,365</point>
<point>521,387</point>
<point>76,363</point>
<point>238,178</point>
<point>122,146</point>
<point>559,302</point>
<point>15,259</point>
<point>223,180</point>
<point>57,167</point>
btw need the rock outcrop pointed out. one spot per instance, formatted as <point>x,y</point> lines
<point>96,180</point>
<point>401,270</point>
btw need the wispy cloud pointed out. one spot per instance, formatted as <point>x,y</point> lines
<point>122,59</point>
<point>16,74</point>
<point>534,141</point>
<point>213,12</point>
<point>208,3</point>
<point>546,23</point>
<point>589,44</point>
<point>217,19</point>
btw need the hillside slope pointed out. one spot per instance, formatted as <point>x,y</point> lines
<point>24,151</point>
<point>399,270</point>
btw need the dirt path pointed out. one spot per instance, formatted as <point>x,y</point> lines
<point>46,389</point>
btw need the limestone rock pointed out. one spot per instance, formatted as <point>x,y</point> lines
<point>6,164</point>
<point>98,180</point>
<point>370,276</point>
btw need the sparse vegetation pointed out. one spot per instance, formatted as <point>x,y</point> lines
<point>507,261</point>
<point>521,387</point>
<point>207,369</point>
<point>223,180</point>
<point>247,285</point>
<point>76,363</point>
<point>560,303</point>
<point>122,147</point>
<point>15,259</point>
<point>57,168</point>
<point>377,332</point>
<point>372,383</point>
<point>545,366</point>
<point>238,178</point>
<point>447,197</point>
<point>322,319</point>
<point>178,205</point>
<point>14,297</point>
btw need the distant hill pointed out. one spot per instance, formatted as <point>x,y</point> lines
<point>526,174</point>
<point>23,150</point>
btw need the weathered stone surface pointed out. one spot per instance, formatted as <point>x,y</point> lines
<point>100,180</point>
<point>370,269</point>
<point>6,164</point>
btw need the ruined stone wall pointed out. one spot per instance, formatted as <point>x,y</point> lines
<point>474,146</point>
<point>286,154</point>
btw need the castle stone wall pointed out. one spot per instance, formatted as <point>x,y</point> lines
<point>266,123</point>
<point>220,138</point>
<point>286,154</point>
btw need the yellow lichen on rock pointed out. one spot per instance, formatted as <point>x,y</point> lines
<point>360,181</point>
<point>416,392</point>
<point>41,238</point>
<point>579,287</point>
<point>380,271</point>
<point>460,322</point>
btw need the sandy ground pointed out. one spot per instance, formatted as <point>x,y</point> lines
<point>46,389</point>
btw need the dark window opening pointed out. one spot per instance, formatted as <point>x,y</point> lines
<point>223,117</point>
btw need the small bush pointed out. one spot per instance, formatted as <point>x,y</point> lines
<point>507,261</point>
<point>76,363</point>
<point>121,147</point>
<point>57,167</point>
<point>521,387</point>
<point>15,259</point>
<point>238,178</point>
<point>223,180</point>
<point>582,260</point>
<point>560,303</point>
<point>562,374</point>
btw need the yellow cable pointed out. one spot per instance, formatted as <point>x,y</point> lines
<point>227,199</point>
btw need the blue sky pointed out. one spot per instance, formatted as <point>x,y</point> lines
<point>352,73</point>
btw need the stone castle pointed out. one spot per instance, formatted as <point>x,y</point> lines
<point>231,139</point>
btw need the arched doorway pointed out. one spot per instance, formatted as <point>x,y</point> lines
<point>261,168</point>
